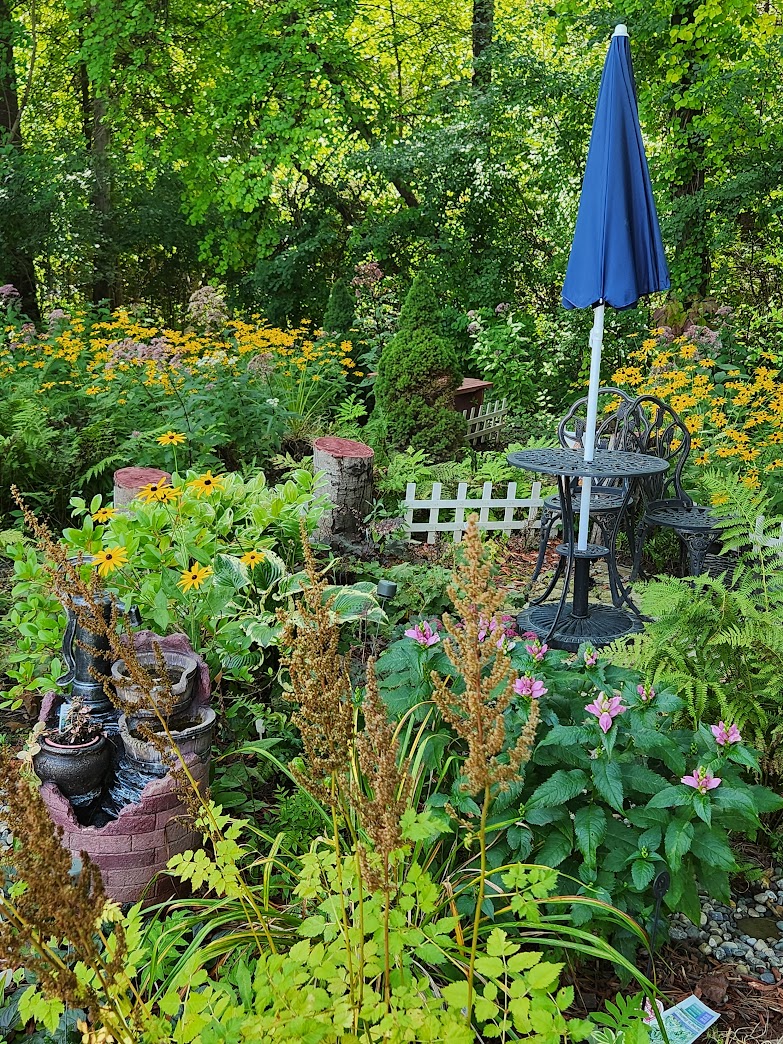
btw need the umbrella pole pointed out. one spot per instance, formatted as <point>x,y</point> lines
<point>596,344</point>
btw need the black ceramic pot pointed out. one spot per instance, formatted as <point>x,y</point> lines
<point>76,769</point>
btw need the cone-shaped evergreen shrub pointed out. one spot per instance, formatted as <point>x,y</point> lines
<point>418,374</point>
<point>340,310</point>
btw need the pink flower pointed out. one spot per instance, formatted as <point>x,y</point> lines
<point>537,650</point>
<point>702,780</point>
<point>423,634</point>
<point>645,695</point>
<point>606,709</point>
<point>725,735</point>
<point>527,685</point>
<point>590,656</point>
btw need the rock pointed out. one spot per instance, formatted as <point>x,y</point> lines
<point>677,933</point>
<point>705,948</point>
<point>767,977</point>
<point>714,941</point>
<point>703,919</point>
<point>763,896</point>
<point>761,909</point>
<point>760,944</point>
<point>720,953</point>
<point>742,969</point>
<point>717,917</point>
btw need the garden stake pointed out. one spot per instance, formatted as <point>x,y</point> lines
<point>659,889</point>
<point>384,592</point>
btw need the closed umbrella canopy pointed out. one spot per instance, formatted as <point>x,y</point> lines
<point>617,253</point>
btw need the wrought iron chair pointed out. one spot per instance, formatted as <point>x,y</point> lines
<point>606,498</point>
<point>653,427</point>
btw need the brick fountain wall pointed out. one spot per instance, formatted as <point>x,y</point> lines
<point>132,850</point>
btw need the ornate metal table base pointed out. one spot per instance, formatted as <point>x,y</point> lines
<point>602,625</point>
<point>557,623</point>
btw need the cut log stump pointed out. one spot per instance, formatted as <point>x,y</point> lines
<point>345,467</point>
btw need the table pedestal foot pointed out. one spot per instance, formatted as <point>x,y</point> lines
<point>601,625</point>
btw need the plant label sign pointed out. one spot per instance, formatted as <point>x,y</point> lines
<point>684,1023</point>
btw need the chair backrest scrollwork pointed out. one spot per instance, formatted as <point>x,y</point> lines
<point>653,427</point>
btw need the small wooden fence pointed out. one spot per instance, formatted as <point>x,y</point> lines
<point>519,513</point>
<point>485,422</point>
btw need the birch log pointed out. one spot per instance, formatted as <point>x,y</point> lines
<point>345,467</point>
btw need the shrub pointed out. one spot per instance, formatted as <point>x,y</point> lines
<point>340,309</point>
<point>418,374</point>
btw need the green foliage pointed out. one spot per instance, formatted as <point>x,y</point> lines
<point>418,374</point>
<point>340,310</point>
<point>717,640</point>
<point>607,810</point>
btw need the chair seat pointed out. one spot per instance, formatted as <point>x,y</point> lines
<point>601,499</point>
<point>674,514</point>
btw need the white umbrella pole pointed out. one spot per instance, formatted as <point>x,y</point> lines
<point>596,343</point>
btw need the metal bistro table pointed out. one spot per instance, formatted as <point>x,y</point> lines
<point>566,626</point>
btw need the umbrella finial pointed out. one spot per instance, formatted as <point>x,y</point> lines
<point>620,30</point>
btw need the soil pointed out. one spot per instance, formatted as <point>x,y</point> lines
<point>65,739</point>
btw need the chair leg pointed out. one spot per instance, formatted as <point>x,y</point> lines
<point>697,545</point>
<point>548,519</point>
<point>641,535</point>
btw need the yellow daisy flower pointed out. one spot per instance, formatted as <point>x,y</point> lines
<point>110,559</point>
<point>194,577</point>
<point>154,491</point>
<point>208,483</point>
<point>171,438</point>
<point>103,514</point>
<point>252,558</point>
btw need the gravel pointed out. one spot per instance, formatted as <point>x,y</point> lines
<point>720,936</point>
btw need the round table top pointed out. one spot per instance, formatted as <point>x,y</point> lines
<point>571,463</point>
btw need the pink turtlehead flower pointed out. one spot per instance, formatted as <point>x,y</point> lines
<point>507,631</point>
<point>646,695</point>
<point>590,657</point>
<point>423,634</point>
<point>702,780</point>
<point>606,709</point>
<point>725,735</point>
<point>536,649</point>
<point>527,685</point>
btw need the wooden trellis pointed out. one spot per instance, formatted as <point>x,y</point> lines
<point>518,513</point>
<point>485,422</point>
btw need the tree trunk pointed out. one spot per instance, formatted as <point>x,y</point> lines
<point>482,30</point>
<point>345,470</point>
<point>16,267</point>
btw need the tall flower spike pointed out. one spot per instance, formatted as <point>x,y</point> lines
<point>320,683</point>
<point>477,714</point>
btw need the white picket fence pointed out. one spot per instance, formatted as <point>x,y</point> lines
<point>485,422</point>
<point>518,512</point>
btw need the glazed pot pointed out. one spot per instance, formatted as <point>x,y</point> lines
<point>77,769</point>
<point>174,695</point>
<point>194,739</point>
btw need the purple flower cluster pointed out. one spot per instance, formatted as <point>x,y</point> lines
<point>207,307</point>
<point>129,351</point>
<point>368,273</point>
<point>56,316</point>
<point>8,294</point>
<point>502,308</point>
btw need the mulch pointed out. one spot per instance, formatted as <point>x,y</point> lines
<point>750,1009</point>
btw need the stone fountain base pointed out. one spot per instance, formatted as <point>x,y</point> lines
<point>132,848</point>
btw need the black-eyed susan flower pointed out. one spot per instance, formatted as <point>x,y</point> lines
<point>154,491</point>
<point>207,483</point>
<point>252,558</point>
<point>194,577</point>
<point>103,514</point>
<point>110,559</point>
<point>171,438</point>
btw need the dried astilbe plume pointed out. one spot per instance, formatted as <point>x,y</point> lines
<point>477,714</point>
<point>320,684</point>
<point>388,781</point>
<point>44,905</point>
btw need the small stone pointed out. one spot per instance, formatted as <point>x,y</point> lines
<point>705,948</point>
<point>760,944</point>
<point>763,896</point>
<point>703,919</point>
<point>677,933</point>
<point>742,969</point>
<point>717,917</point>
<point>713,941</point>
<point>720,953</point>
<point>754,912</point>
<point>767,977</point>
<point>760,908</point>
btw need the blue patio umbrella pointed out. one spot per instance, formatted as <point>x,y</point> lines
<point>617,253</point>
